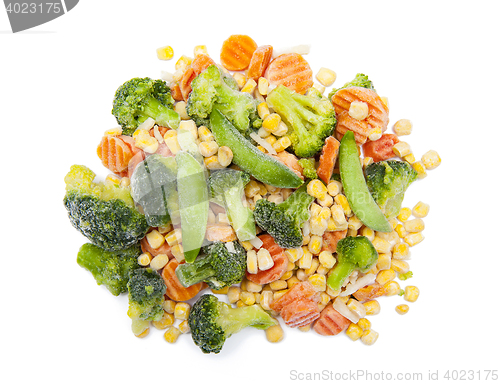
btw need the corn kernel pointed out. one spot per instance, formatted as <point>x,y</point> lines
<point>354,223</point>
<point>414,238</point>
<point>415,225</point>
<point>252,263</point>
<point>316,189</point>
<point>294,254</point>
<point>411,293</point>
<point>204,134</point>
<point>306,260</point>
<point>184,326</point>
<point>278,285</point>
<point>334,187</point>
<point>381,245</point>
<point>222,291</point>
<point>358,110</point>
<point>169,306</point>
<point>212,162</point>
<point>392,288</point>
<point>274,333</point>
<point>369,337</point>
<point>419,167</point>
<point>372,307</point>
<point>401,149</point>
<point>410,158</point>
<point>404,214</point>
<point>140,328</point>
<point>155,239</point>
<point>271,139</point>
<point>385,276</point>
<point>342,201</point>
<point>181,311</point>
<point>367,161</point>
<point>171,334</point>
<point>172,143</point>
<point>402,309</point>
<point>326,76</point>
<point>271,122</point>
<point>318,225</point>
<point>233,294</point>
<point>224,156</point>
<point>402,127</point>
<point>354,332</point>
<point>240,79</point>
<point>338,217</point>
<point>144,259</point>
<point>180,108</point>
<point>178,252</point>
<point>252,188</point>
<point>249,86</point>
<point>318,281</point>
<point>400,230</point>
<point>159,261</point>
<point>263,85</point>
<point>420,210</point>
<point>400,266</point>
<point>253,287</point>
<point>264,259</point>
<point>287,274</point>
<point>248,298</point>
<point>183,62</point>
<point>282,144</point>
<point>431,159</point>
<point>165,53</point>
<point>373,135</point>
<point>384,261</point>
<point>174,237</point>
<point>266,299</point>
<point>401,251</point>
<point>364,324</point>
<point>315,244</point>
<point>166,320</point>
<point>327,259</point>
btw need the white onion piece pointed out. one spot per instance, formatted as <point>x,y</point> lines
<point>256,242</point>
<point>268,147</point>
<point>230,247</point>
<point>341,308</point>
<point>359,283</point>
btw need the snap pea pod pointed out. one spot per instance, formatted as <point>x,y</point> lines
<point>250,159</point>
<point>193,203</point>
<point>357,193</point>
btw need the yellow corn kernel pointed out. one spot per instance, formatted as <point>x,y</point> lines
<point>385,276</point>
<point>373,135</point>
<point>172,143</point>
<point>204,134</point>
<point>282,144</point>
<point>316,189</point>
<point>292,281</point>
<point>402,127</point>
<point>338,217</point>
<point>334,187</point>
<point>200,50</point>
<point>368,232</point>
<point>169,133</point>
<point>392,288</point>
<point>274,333</point>
<point>315,244</point>
<point>411,293</point>
<point>222,291</point>
<point>401,149</point>
<point>278,285</point>
<point>356,307</point>
<point>181,311</point>
<point>404,214</point>
<point>263,85</point>
<point>253,287</point>
<point>240,79</point>
<point>342,201</point>
<point>287,275</point>
<point>271,139</point>
<point>208,148</point>
<point>400,230</point>
<point>367,161</point>
<point>252,188</point>
<point>402,309</point>
<point>266,299</point>
<point>364,324</point>
<point>212,162</point>
<point>171,334</point>
<point>240,304</point>
<point>282,130</point>
<point>358,110</point>
<point>249,86</point>
<point>372,307</point>
<point>314,266</point>
<point>155,239</point>
<point>165,53</point>
<point>354,223</point>
<point>233,294</point>
<point>140,328</point>
<point>384,261</point>
<point>318,225</point>
<point>419,167</point>
<point>325,212</point>
<point>401,251</point>
<point>314,209</point>
<point>178,252</point>
<point>420,210</point>
<point>190,126</point>
<point>183,62</point>
<point>271,122</point>
<point>169,306</point>
<point>166,320</point>
<point>159,261</point>
<point>263,110</point>
<point>264,259</point>
<point>180,108</point>
<point>275,198</point>
<point>184,326</point>
<point>326,76</point>
<point>294,254</point>
<point>248,298</point>
<point>431,159</point>
<point>327,202</point>
<point>326,259</point>
<point>174,237</point>
<point>369,337</point>
<point>410,158</point>
<point>414,238</point>
<point>381,245</point>
<point>352,232</point>
<point>252,263</point>
<point>354,331</point>
<point>144,259</point>
<point>400,266</point>
<point>415,225</point>
<point>225,156</point>
<point>306,239</point>
<point>306,260</point>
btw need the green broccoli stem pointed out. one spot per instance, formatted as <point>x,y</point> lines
<point>233,320</point>
<point>340,274</point>
<point>240,217</point>
<point>193,273</point>
<point>162,115</point>
<point>287,105</point>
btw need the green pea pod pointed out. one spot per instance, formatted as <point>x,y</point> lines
<point>193,203</point>
<point>246,156</point>
<point>356,190</point>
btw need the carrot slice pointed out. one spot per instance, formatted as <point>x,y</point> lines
<point>330,240</point>
<point>198,65</point>
<point>175,91</point>
<point>369,292</point>
<point>302,290</point>
<point>380,149</point>
<point>330,322</point>
<point>328,158</point>
<point>259,62</point>
<point>291,161</point>
<point>300,313</point>
<point>237,51</point>
<point>163,249</point>
<point>175,290</point>
<point>114,153</point>
<point>280,262</point>
<point>292,71</point>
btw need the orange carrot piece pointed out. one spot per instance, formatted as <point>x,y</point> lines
<point>369,292</point>
<point>259,62</point>
<point>330,322</point>
<point>175,290</point>
<point>328,159</point>
<point>198,65</point>
<point>380,149</point>
<point>237,51</point>
<point>163,249</point>
<point>280,262</point>
<point>302,290</point>
<point>300,313</point>
<point>114,153</point>
<point>175,91</point>
<point>291,161</point>
<point>292,71</point>
<point>220,232</point>
<point>330,240</point>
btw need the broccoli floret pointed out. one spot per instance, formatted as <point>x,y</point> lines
<point>361,80</point>
<point>353,253</point>
<point>387,182</point>
<point>218,266</point>
<point>110,269</point>
<point>308,168</point>
<point>405,276</point>
<point>103,212</point>
<point>212,321</point>
<point>141,98</point>
<point>146,291</point>
<point>209,90</point>
<point>227,187</point>
<point>284,221</point>
<point>152,184</point>
<point>310,120</point>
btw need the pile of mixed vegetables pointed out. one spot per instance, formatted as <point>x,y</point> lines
<point>241,194</point>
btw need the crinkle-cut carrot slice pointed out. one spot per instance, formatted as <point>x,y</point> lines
<point>292,71</point>
<point>378,113</point>
<point>220,232</point>
<point>175,91</point>
<point>380,149</point>
<point>175,290</point>
<point>280,262</point>
<point>328,158</point>
<point>369,292</point>
<point>259,62</point>
<point>330,322</point>
<point>237,51</point>
<point>360,128</point>
<point>114,153</point>
<point>300,313</point>
<point>302,290</point>
<point>291,161</point>
<point>198,65</point>
<point>163,249</point>
<point>330,240</point>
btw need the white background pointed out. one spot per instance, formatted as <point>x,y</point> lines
<point>436,61</point>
